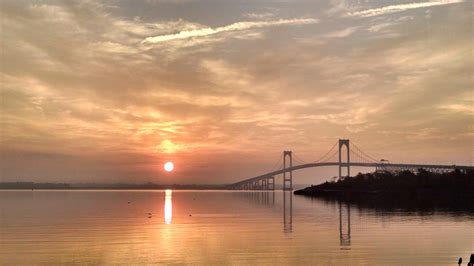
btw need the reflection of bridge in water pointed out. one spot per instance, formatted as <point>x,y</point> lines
<point>344,224</point>
<point>268,199</point>
<point>353,157</point>
<point>344,218</point>
<point>287,211</point>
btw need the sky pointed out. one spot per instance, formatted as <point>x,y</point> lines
<point>107,91</point>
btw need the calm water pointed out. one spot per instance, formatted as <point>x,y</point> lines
<point>218,227</point>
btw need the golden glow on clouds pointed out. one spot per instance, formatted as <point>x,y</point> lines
<point>167,146</point>
<point>93,92</point>
<point>402,7</point>
<point>238,26</point>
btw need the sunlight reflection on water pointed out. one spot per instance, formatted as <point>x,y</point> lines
<point>168,206</point>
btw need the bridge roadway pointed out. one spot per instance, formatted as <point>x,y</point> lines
<point>376,165</point>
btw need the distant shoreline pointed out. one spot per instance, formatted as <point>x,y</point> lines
<point>88,186</point>
<point>117,186</point>
<point>111,189</point>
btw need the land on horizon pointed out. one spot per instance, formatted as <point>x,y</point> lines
<point>401,190</point>
<point>49,185</point>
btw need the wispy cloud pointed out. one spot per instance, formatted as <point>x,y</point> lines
<point>342,33</point>
<point>263,15</point>
<point>459,107</point>
<point>399,8</point>
<point>244,25</point>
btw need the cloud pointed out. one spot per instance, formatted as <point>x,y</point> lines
<point>263,15</point>
<point>459,108</point>
<point>381,27</point>
<point>156,2</point>
<point>244,25</point>
<point>79,85</point>
<point>399,8</point>
<point>342,33</point>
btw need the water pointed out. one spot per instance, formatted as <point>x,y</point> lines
<point>221,227</point>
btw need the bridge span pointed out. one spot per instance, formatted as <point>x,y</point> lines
<point>267,181</point>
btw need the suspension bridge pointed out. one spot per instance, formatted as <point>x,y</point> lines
<point>348,155</point>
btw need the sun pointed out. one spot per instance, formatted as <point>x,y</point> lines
<point>168,166</point>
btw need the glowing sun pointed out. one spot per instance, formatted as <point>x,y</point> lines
<point>168,166</point>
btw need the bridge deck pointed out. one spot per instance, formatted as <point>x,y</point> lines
<point>393,165</point>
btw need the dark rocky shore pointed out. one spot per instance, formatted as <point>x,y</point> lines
<point>403,190</point>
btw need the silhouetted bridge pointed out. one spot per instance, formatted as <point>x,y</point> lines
<point>267,181</point>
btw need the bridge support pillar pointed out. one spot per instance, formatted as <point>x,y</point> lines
<point>287,177</point>
<point>271,183</point>
<point>344,142</point>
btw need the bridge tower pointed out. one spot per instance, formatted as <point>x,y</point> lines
<point>287,177</point>
<point>344,142</point>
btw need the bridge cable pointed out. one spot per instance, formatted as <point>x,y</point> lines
<point>275,167</point>
<point>363,153</point>
<point>358,156</point>
<point>323,157</point>
<point>330,157</point>
<point>298,159</point>
<point>334,154</point>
